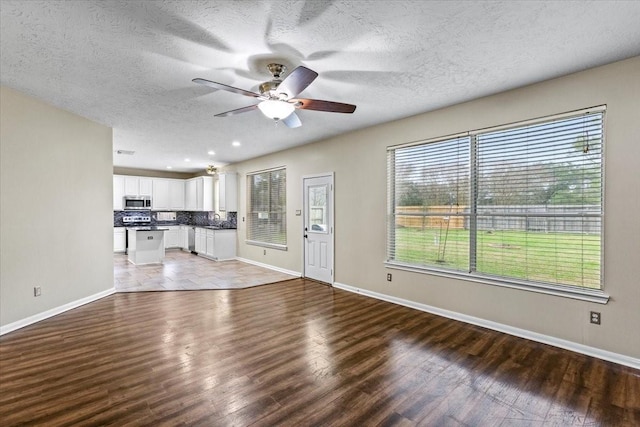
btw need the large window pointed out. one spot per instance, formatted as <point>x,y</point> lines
<point>267,221</point>
<point>519,204</point>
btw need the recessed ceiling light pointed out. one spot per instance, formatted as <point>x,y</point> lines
<point>187,160</point>
<point>236,143</point>
<point>211,153</point>
<point>169,167</point>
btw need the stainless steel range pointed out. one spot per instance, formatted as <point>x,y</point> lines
<point>134,221</point>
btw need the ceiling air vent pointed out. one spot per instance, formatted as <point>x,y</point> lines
<point>127,152</point>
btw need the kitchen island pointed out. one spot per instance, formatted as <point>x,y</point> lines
<point>145,245</point>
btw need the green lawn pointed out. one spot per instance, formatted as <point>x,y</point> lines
<point>558,258</point>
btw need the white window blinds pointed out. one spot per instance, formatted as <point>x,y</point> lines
<point>430,192</point>
<point>521,203</point>
<point>267,223</point>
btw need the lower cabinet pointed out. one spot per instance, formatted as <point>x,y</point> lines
<point>201,241</point>
<point>119,239</point>
<point>216,244</point>
<point>172,237</point>
<point>184,237</point>
<point>211,247</point>
<point>225,244</point>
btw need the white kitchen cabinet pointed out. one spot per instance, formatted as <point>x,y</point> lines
<point>201,241</point>
<point>228,192</point>
<point>199,194</point>
<point>184,237</point>
<point>118,192</point>
<point>171,237</point>
<point>160,199</point>
<point>211,247</point>
<point>225,243</point>
<point>145,186</point>
<point>168,194</point>
<point>138,186</point>
<point>190,196</point>
<point>216,244</point>
<point>176,194</point>
<point>119,239</point>
<point>131,185</point>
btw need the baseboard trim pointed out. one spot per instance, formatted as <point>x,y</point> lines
<point>54,311</point>
<point>270,267</point>
<point>500,327</point>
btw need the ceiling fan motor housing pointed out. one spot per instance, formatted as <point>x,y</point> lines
<point>269,88</point>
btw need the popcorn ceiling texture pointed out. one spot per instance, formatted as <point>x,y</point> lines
<point>129,64</point>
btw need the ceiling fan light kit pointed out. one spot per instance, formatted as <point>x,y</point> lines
<point>277,96</point>
<point>276,110</point>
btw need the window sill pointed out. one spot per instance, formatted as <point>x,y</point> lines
<point>267,245</point>
<point>591,295</point>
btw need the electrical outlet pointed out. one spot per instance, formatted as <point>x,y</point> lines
<point>595,317</point>
<point>37,291</point>
<point>388,277</point>
<point>265,252</point>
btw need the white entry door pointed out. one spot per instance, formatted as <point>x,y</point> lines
<point>318,228</point>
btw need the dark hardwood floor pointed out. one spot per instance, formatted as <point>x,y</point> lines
<point>295,353</point>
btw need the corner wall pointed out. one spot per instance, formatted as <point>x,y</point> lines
<point>359,162</point>
<point>56,211</point>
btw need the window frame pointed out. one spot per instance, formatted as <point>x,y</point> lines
<point>563,290</point>
<point>250,209</point>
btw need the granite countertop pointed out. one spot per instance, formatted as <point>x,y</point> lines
<point>151,228</point>
<point>159,227</point>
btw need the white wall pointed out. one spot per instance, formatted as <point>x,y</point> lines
<point>56,218</point>
<point>359,162</point>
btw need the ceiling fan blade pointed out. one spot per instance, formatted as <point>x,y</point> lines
<point>217,85</point>
<point>319,105</point>
<point>237,111</point>
<point>297,81</point>
<point>292,121</point>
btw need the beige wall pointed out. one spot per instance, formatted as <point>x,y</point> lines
<point>154,174</point>
<point>359,162</point>
<point>56,219</point>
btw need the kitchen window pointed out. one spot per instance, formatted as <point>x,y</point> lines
<point>267,220</point>
<point>519,205</point>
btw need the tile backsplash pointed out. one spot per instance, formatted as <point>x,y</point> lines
<point>182,218</point>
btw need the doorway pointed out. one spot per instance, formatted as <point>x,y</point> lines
<point>318,227</point>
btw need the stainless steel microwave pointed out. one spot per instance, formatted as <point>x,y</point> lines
<point>138,203</point>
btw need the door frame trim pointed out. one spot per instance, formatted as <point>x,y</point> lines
<point>333,222</point>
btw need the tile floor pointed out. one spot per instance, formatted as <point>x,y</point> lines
<point>185,271</point>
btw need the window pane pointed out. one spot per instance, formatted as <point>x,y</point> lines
<point>267,207</point>
<point>521,203</point>
<point>317,204</point>
<point>430,206</point>
<point>539,202</point>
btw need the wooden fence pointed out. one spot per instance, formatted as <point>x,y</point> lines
<point>414,216</point>
<point>569,219</point>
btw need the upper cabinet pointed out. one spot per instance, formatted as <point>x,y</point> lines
<point>118,192</point>
<point>199,194</point>
<point>195,194</point>
<point>168,194</point>
<point>228,192</point>
<point>124,185</point>
<point>137,186</point>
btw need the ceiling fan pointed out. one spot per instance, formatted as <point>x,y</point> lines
<point>278,97</point>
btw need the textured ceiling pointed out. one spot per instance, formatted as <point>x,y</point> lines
<point>129,64</point>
